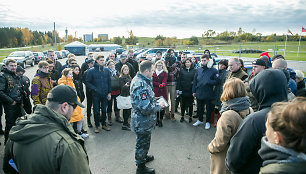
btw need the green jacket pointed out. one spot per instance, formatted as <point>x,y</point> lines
<point>44,142</point>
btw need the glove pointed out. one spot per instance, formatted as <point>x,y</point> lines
<point>161,86</point>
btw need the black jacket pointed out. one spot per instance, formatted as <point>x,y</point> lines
<point>119,65</point>
<point>78,83</point>
<point>10,87</point>
<point>134,63</point>
<point>185,81</point>
<point>125,90</point>
<point>242,155</point>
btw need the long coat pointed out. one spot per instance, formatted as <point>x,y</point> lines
<point>77,113</point>
<point>226,128</point>
<point>158,80</point>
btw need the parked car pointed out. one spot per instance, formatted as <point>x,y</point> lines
<point>65,53</point>
<point>150,52</point>
<point>23,58</point>
<point>59,54</point>
<point>38,56</point>
<point>119,51</point>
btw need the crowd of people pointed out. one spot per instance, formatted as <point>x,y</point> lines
<point>246,106</point>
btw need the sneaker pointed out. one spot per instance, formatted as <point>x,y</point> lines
<point>207,125</point>
<point>119,120</point>
<point>97,130</point>
<point>83,135</point>
<point>197,123</point>
<point>106,128</point>
<point>84,131</point>
<point>125,128</point>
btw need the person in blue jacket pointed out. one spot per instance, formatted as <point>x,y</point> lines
<point>98,79</point>
<point>203,83</point>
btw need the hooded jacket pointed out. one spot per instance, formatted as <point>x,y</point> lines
<point>44,142</point>
<point>242,156</point>
<point>278,159</point>
<point>10,87</point>
<point>77,113</point>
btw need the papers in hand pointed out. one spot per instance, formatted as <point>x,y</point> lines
<point>162,99</point>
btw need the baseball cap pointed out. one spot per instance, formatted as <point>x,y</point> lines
<point>266,59</point>
<point>259,62</point>
<point>123,56</point>
<point>64,93</point>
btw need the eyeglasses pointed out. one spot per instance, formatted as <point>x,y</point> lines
<point>74,105</point>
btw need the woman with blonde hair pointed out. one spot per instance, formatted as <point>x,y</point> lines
<point>159,81</point>
<point>235,107</point>
<point>77,116</point>
<point>124,83</point>
<point>283,149</point>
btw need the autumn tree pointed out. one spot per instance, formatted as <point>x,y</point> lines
<point>117,40</point>
<point>131,40</point>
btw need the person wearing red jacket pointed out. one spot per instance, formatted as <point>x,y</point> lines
<point>160,77</point>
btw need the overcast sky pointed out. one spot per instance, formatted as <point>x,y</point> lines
<point>180,18</point>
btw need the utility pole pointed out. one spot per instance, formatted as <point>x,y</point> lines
<point>55,38</point>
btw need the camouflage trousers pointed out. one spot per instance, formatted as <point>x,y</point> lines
<point>142,147</point>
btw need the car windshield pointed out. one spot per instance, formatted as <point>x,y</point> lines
<point>16,54</point>
<point>35,54</point>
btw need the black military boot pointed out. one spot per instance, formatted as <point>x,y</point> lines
<point>143,169</point>
<point>149,158</point>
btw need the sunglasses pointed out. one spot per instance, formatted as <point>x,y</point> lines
<point>74,105</point>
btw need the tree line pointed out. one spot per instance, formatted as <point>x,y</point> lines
<point>11,37</point>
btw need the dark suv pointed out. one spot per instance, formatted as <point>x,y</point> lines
<point>23,58</point>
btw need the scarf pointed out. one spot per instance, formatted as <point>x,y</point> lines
<point>158,72</point>
<point>113,72</point>
<point>44,79</point>
<point>236,104</point>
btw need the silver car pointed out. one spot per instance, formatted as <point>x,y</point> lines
<point>23,58</point>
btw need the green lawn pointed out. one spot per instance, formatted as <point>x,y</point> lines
<point>4,53</point>
<point>222,50</point>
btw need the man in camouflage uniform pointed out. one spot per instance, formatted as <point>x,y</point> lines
<point>143,120</point>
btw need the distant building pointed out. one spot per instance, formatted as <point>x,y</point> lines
<point>87,37</point>
<point>103,37</point>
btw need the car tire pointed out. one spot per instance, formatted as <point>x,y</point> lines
<point>24,65</point>
<point>32,64</point>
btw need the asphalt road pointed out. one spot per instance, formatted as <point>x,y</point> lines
<point>178,147</point>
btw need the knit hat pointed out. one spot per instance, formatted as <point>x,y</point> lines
<point>223,62</point>
<point>19,68</point>
<point>259,62</point>
<point>64,93</point>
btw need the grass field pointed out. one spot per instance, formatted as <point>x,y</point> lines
<point>6,52</point>
<point>222,50</point>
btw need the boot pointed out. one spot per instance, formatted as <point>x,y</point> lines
<point>212,117</point>
<point>143,169</point>
<point>118,119</point>
<point>219,115</point>
<point>109,117</point>
<point>89,122</point>
<point>160,124</point>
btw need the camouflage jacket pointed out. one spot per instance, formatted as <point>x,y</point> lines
<point>144,105</point>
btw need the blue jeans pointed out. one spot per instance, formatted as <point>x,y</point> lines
<point>200,111</point>
<point>99,103</point>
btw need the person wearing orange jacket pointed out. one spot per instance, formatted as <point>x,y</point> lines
<point>77,116</point>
